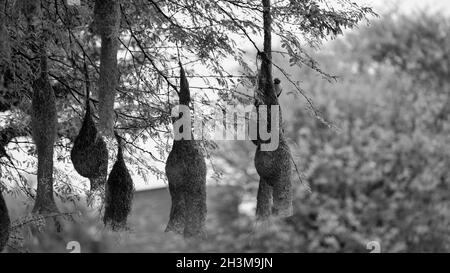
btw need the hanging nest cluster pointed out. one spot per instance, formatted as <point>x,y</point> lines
<point>119,193</point>
<point>186,174</point>
<point>5,223</point>
<point>89,154</point>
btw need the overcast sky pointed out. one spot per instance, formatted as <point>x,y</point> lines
<point>408,5</point>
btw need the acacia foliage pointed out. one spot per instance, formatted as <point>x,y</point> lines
<point>206,34</point>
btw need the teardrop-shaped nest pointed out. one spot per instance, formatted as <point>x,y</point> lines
<point>272,164</point>
<point>44,114</point>
<point>186,174</point>
<point>4,223</point>
<point>274,169</point>
<point>89,154</point>
<point>119,194</point>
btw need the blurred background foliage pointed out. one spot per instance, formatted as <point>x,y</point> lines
<point>380,173</point>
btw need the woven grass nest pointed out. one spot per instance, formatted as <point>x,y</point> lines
<point>89,154</point>
<point>4,223</point>
<point>186,174</point>
<point>106,18</point>
<point>274,167</point>
<point>119,193</point>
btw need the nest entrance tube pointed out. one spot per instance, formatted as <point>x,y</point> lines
<point>186,173</point>
<point>275,191</point>
<point>118,192</point>
<point>5,223</point>
<point>89,154</point>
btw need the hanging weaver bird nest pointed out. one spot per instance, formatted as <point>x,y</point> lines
<point>106,18</point>
<point>186,174</point>
<point>89,154</point>
<point>5,47</point>
<point>4,223</point>
<point>44,127</point>
<point>107,24</point>
<point>119,193</point>
<point>264,200</point>
<point>44,117</point>
<point>273,167</point>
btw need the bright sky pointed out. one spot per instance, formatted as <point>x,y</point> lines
<point>408,5</point>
